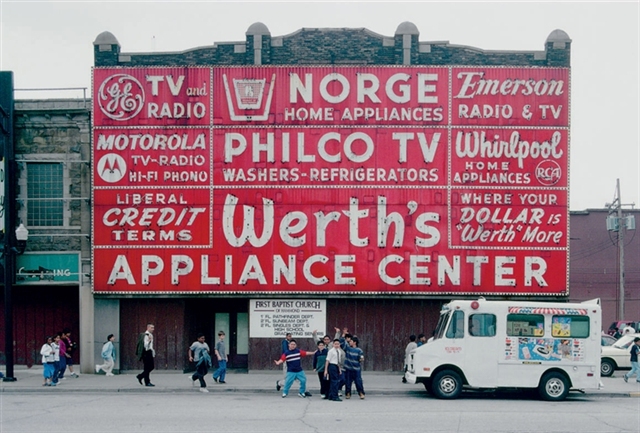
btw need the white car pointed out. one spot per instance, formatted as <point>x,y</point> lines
<point>616,356</point>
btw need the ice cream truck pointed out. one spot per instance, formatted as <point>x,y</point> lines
<point>483,344</point>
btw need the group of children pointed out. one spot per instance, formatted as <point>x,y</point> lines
<point>337,362</point>
<point>57,354</point>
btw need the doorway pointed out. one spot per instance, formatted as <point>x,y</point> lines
<point>210,316</point>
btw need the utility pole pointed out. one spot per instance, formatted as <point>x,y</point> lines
<point>621,230</point>
<point>618,223</point>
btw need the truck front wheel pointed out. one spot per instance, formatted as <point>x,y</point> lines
<point>447,384</point>
<point>553,387</point>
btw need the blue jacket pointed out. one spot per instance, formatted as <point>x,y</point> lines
<point>108,351</point>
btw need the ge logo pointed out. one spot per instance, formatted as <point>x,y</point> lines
<point>112,167</point>
<point>121,97</point>
<point>548,172</point>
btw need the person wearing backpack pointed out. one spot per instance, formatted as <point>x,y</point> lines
<point>109,355</point>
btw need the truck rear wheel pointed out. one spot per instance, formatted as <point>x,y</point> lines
<point>607,367</point>
<point>553,387</point>
<point>447,384</point>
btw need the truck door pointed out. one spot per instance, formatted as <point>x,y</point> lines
<point>481,350</point>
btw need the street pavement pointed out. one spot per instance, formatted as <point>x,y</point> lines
<point>380,383</point>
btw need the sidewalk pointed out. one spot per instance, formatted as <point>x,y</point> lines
<point>375,383</point>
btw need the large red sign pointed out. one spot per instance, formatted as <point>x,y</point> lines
<point>396,180</point>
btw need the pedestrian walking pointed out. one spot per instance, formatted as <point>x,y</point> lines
<point>407,353</point>
<point>635,368</point>
<point>56,359</point>
<point>221,355</point>
<point>47,361</point>
<point>66,358</point>
<point>108,355</point>
<point>199,353</point>
<point>294,368</point>
<point>145,353</point>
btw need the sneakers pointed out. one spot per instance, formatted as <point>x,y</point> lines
<point>302,396</point>
<point>278,387</point>
<point>109,374</point>
<point>347,396</point>
<point>74,374</point>
<point>215,379</point>
<point>204,390</point>
<point>307,394</point>
<point>221,381</point>
<point>97,369</point>
<point>361,396</point>
<point>193,382</point>
<point>284,395</point>
<point>626,379</point>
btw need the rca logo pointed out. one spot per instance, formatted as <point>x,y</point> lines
<point>548,172</point>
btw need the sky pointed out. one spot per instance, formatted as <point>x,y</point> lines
<point>49,44</point>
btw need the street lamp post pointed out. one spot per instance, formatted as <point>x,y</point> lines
<point>10,252</point>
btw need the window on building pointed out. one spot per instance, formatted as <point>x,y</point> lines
<point>570,326</point>
<point>482,325</point>
<point>525,325</point>
<point>45,193</point>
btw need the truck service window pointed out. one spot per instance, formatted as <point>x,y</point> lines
<point>525,325</point>
<point>570,326</point>
<point>482,325</point>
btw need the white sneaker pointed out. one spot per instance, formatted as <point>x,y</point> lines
<point>204,390</point>
<point>109,374</point>
<point>97,369</point>
<point>76,375</point>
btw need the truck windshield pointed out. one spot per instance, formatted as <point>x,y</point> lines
<point>442,325</point>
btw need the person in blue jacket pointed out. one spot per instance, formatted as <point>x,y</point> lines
<point>108,354</point>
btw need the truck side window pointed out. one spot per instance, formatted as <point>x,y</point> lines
<point>482,325</point>
<point>456,325</point>
<point>570,326</point>
<point>525,325</point>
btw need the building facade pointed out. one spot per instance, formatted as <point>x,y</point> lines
<point>55,141</point>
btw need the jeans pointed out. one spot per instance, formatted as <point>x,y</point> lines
<point>201,372</point>
<point>291,376</point>
<point>635,369</point>
<point>353,376</point>
<point>56,372</point>
<point>221,372</point>
<point>63,366</point>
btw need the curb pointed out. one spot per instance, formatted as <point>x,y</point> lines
<point>213,390</point>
